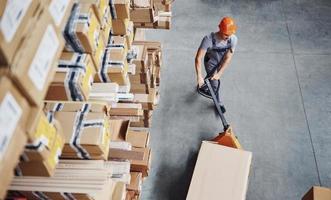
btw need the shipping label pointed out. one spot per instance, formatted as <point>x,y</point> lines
<point>58,9</point>
<point>10,114</point>
<point>12,17</point>
<point>43,59</point>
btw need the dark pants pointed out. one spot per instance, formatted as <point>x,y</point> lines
<point>216,84</point>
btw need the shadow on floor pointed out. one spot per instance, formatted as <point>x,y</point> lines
<point>174,180</point>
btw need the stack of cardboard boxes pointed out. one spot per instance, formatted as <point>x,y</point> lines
<point>76,99</point>
<point>151,14</point>
<point>43,147</point>
<point>86,34</point>
<point>75,179</point>
<point>30,45</point>
<point>114,66</point>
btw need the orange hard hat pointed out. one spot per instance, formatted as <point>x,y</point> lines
<point>227,26</point>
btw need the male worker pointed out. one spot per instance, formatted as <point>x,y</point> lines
<point>217,48</point>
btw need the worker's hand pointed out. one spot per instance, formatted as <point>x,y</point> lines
<point>216,76</point>
<point>200,81</point>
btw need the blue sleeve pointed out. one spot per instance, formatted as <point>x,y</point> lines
<point>205,43</point>
<point>234,41</point>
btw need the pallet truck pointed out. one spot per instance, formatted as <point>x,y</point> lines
<point>227,137</point>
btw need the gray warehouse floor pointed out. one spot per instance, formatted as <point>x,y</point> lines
<point>277,92</point>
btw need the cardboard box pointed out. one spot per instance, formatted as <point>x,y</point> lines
<point>163,22</point>
<point>164,5</point>
<point>87,135</point>
<point>130,34</point>
<point>60,12</point>
<point>9,159</point>
<point>125,154</point>
<point>47,165</point>
<point>220,170</point>
<point>131,195</point>
<point>34,64</point>
<point>139,88</point>
<point>40,139</point>
<point>70,106</point>
<point>119,42</point>
<point>16,18</point>
<point>318,193</point>
<point>97,56</point>
<point>141,59</point>
<point>14,111</point>
<point>147,100</point>
<point>146,123</point>
<point>144,165</point>
<point>143,15</point>
<point>135,183</point>
<point>114,67</point>
<point>142,3</point>
<point>99,7</point>
<point>138,138</point>
<point>106,25</point>
<point>120,26</point>
<point>82,30</point>
<point>119,129</point>
<point>121,9</point>
<point>125,109</point>
<point>73,78</point>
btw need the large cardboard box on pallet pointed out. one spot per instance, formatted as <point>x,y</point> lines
<point>73,78</point>
<point>34,64</point>
<point>318,193</point>
<point>16,18</point>
<point>220,172</point>
<point>14,110</point>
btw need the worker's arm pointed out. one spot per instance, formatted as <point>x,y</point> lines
<point>224,64</point>
<point>200,54</point>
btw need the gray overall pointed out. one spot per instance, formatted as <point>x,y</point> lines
<point>212,60</point>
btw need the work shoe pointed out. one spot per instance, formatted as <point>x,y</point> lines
<point>204,91</point>
<point>222,109</point>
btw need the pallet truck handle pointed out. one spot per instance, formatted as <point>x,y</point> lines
<point>220,113</point>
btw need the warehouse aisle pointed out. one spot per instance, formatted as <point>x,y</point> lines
<point>277,93</point>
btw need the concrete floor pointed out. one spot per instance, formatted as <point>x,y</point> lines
<point>277,92</point>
